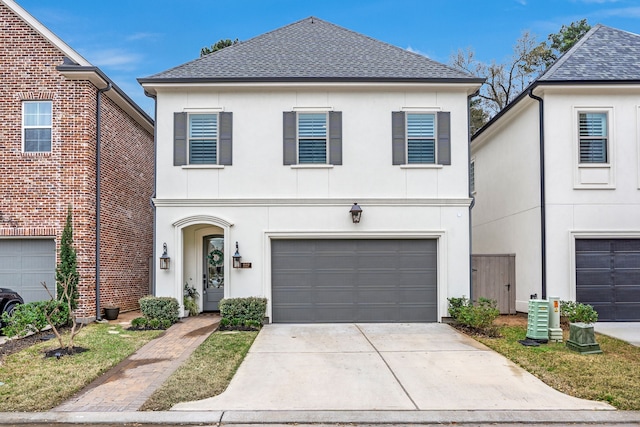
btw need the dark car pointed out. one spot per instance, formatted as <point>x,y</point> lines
<point>9,299</point>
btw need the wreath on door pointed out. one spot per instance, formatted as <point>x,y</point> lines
<point>216,258</point>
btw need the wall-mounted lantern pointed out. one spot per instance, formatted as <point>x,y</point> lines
<point>165,261</point>
<point>237,258</point>
<point>356,213</point>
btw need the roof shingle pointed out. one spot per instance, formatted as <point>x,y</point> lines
<point>312,49</point>
<point>604,53</point>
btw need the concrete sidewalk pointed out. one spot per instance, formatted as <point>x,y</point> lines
<point>129,384</point>
<point>381,367</point>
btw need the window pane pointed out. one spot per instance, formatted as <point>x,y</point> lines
<point>202,151</point>
<point>593,151</point>
<point>593,124</point>
<point>203,126</point>
<point>593,137</point>
<point>421,150</point>
<point>312,151</point>
<point>37,113</point>
<point>421,125</point>
<point>312,125</point>
<point>37,140</point>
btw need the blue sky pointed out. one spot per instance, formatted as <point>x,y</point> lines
<point>128,39</point>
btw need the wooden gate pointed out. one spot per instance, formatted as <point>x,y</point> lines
<point>494,277</point>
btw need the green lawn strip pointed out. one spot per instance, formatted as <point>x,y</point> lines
<point>613,376</point>
<point>35,383</point>
<point>206,373</point>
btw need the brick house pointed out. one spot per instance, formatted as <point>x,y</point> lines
<point>56,108</point>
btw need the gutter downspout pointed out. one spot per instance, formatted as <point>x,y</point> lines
<point>543,221</point>
<point>473,199</point>
<point>152,271</point>
<point>98,195</point>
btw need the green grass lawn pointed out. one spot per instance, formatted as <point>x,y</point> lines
<point>206,373</point>
<point>613,376</point>
<point>35,383</point>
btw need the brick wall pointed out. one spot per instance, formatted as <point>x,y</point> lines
<point>36,189</point>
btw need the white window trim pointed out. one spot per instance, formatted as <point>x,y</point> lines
<point>309,110</point>
<point>195,112</point>
<point>23,126</point>
<point>605,169</point>
<point>638,143</point>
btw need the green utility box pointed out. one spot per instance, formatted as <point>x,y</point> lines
<point>538,320</point>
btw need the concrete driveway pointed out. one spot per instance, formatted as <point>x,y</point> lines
<point>380,367</point>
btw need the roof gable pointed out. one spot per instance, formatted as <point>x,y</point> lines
<point>604,53</point>
<point>311,49</point>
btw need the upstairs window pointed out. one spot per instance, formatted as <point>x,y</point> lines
<point>202,138</point>
<point>312,138</point>
<point>593,137</point>
<point>421,138</point>
<point>36,126</point>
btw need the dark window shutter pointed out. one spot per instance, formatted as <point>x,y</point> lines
<point>335,137</point>
<point>290,152</point>
<point>444,138</point>
<point>179,139</point>
<point>225,149</point>
<point>398,139</point>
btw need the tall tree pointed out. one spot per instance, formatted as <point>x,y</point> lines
<point>506,80</point>
<point>220,44</point>
<point>67,269</point>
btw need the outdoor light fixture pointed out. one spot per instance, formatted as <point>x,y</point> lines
<point>237,258</point>
<point>356,213</point>
<point>165,261</point>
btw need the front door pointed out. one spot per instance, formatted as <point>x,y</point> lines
<point>213,272</point>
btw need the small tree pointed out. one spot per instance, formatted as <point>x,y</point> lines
<point>53,312</point>
<point>67,269</point>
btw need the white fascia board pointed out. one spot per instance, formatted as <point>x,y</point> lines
<point>452,87</point>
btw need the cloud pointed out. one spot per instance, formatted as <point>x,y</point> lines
<point>623,12</point>
<point>410,49</point>
<point>143,36</point>
<point>116,59</point>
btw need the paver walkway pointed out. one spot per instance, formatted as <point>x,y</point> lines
<point>129,384</point>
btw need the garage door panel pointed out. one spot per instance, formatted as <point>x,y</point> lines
<point>630,311</point>
<point>25,264</point>
<point>608,277</point>
<point>588,277</point>
<point>371,280</point>
<point>627,260</point>
<point>593,260</point>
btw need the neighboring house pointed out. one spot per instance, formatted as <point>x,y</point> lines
<point>263,148</point>
<point>573,219</point>
<point>49,98</point>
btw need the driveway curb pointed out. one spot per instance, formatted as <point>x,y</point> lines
<point>324,417</point>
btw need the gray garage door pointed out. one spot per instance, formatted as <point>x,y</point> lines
<point>315,281</point>
<point>608,277</point>
<point>25,263</point>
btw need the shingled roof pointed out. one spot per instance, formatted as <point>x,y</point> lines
<point>604,53</point>
<point>311,50</point>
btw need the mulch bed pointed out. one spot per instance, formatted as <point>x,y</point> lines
<point>16,345</point>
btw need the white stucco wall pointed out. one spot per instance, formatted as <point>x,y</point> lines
<point>258,199</point>
<point>506,217</point>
